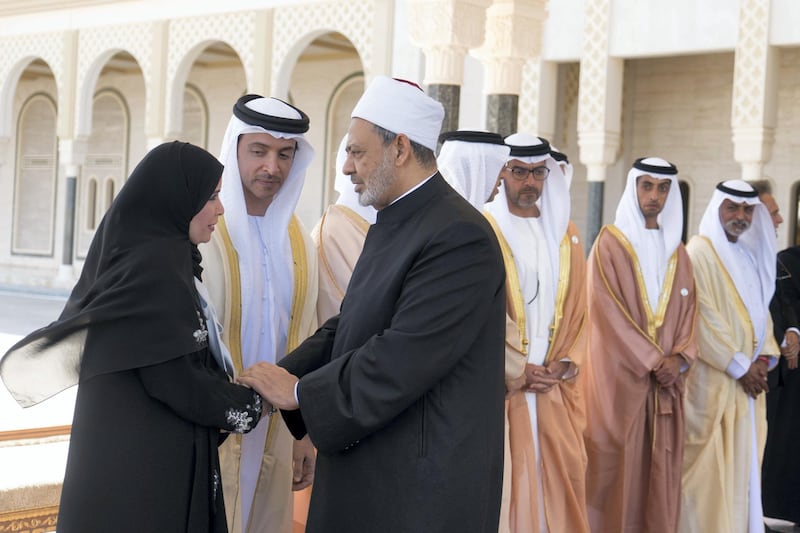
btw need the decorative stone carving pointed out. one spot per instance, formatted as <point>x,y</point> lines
<point>187,39</point>
<point>98,45</point>
<point>600,97</point>
<point>18,52</point>
<point>296,26</point>
<point>445,30</point>
<point>513,35</point>
<point>755,87</point>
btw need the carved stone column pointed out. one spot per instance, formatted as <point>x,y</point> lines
<point>755,90</point>
<point>156,90</point>
<point>513,36</point>
<point>599,109</point>
<point>445,30</point>
<point>71,155</point>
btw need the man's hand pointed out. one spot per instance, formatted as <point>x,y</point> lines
<point>273,383</point>
<point>790,351</point>
<point>668,370</point>
<point>754,382</point>
<point>540,379</point>
<point>303,461</point>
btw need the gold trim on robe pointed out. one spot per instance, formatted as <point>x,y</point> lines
<point>635,430</point>
<point>273,509</point>
<point>560,412</point>
<point>717,457</point>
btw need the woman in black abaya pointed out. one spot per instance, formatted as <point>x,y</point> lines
<point>138,336</point>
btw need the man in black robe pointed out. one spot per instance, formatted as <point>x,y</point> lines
<point>781,469</point>
<point>402,392</point>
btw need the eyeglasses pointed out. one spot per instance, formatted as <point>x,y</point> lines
<point>521,173</point>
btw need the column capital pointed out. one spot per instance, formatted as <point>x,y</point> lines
<point>598,150</point>
<point>513,35</point>
<point>445,30</point>
<point>752,148</point>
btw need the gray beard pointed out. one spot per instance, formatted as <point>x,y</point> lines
<point>379,183</point>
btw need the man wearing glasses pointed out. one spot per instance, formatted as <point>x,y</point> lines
<point>545,287</point>
<point>641,340</point>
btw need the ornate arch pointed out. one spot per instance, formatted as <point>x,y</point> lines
<point>97,46</point>
<point>21,51</point>
<point>188,38</point>
<point>297,26</point>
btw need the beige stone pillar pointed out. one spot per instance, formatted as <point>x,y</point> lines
<point>513,36</point>
<point>261,79</point>
<point>71,155</point>
<point>156,90</point>
<point>755,90</point>
<point>445,30</point>
<point>599,108</point>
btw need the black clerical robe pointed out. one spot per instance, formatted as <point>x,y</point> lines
<point>402,392</point>
<point>780,473</point>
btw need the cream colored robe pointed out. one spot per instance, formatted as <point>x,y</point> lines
<point>339,236</point>
<point>560,412</point>
<point>716,468</point>
<point>272,509</point>
<point>634,433</point>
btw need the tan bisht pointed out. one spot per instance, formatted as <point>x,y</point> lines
<point>560,412</point>
<point>339,236</point>
<point>718,422</point>
<point>635,428</point>
<point>274,486</point>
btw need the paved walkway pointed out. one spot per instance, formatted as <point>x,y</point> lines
<point>23,312</point>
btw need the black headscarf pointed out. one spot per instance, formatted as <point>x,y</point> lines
<point>135,302</point>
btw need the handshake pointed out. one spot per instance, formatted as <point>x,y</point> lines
<point>273,383</point>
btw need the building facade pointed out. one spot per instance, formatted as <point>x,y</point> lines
<point>88,86</point>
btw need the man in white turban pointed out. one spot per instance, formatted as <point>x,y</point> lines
<point>734,265</point>
<point>402,392</point>
<point>471,161</point>
<point>641,341</point>
<point>545,308</point>
<point>261,270</point>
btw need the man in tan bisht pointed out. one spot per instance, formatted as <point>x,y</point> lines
<point>642,314</point>
<point>734,265</point>
<point>261,270</point>
<point>546,304</point>
<point>339,236</point>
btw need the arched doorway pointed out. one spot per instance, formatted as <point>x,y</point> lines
<point>36,171</point>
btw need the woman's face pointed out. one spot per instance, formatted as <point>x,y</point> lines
<point>202,225</point>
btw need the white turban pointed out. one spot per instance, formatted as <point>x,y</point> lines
<point>471,162</point>
<point>401,107</point>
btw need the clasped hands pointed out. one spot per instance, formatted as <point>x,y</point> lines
<point>754,381</point>
<point>668,369</point>
<point>538,378</point>
<point>273,383</point>
<point>276,385</point>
